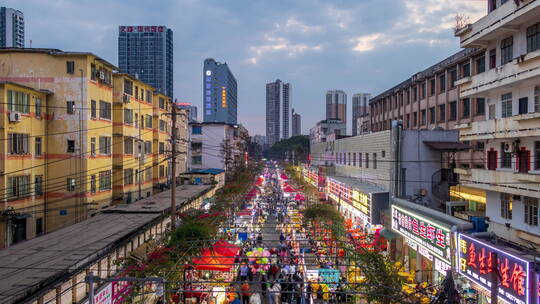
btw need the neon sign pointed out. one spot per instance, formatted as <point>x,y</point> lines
<point>432,236</point>
<point>476,260</point>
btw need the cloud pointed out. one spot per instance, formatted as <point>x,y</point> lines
<point>367,42</point>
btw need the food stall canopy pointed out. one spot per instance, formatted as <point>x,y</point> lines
<point>289,189</point>
<point>219,257</point>
<point>299,197</point>
<point>283,176</point>
<point>226,249</point>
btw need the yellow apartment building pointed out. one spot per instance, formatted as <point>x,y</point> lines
<point>23,144</point>
<point>133,135</point>
<point>162,146</point>
<point>79,140</point>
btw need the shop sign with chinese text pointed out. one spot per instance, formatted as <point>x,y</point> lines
<point>432,236</point>
<point>476,261</point>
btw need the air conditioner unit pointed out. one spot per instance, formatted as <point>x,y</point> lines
<point>14,116</point>
<point>101,75</point>
<point>126,98</point>
<point>507,147</point>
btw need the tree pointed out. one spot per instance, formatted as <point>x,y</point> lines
<point>299,145</point>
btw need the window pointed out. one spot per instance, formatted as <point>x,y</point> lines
<point>354,159</point>
<point>93,184</point>
<point>128,176</point>
<point>432,87</point>
<point>162,103</point>
<point>480,65</point>
<point>104,110</point>
<point>18,143</point>
<point>148,174</point>
<point>423,90</point>
<point>533,37</point>
<point>93,72</point>
<point>136,92</point>
<point>128,116</point>
<point>492,159</point>
<point>537,99</point>
<point>466,70</point>
<point>92,146</point>
<point>480,146</point>
<point>128,87</point>
<point>432,115</point>
<point>148,96</point>
<point>480,106</point>
<point>491,110</point>
<point>423,117</point>
<point>38,185</point>
<point>104,180</point>
<point>148,121</point>
<point>196,130</point>
<point>136,121</point>
<point>537,155</point>
<point>104,145</point>
<point>37,146</point>
<point>70,67</point>
<point>18,101</point>
<point>93,108</point>
<point>415,119</point>
<point>442,113</point>
<point>466,103</point>
<point>161,148</point>
<point>506,105</point>
<point>70,146</point>
<point>453,78</point>
<point>128,146</point>
<point>492,59</point>
<point>506,156</point>
<point>531,210</point>
<point>70,107</point>
<point>196,160</point>
<point>367,160</point>
<point>161,171</point>
<point>523,105</point>
<point>38,107</point>
<point>453,111</point>
<point>18,187</point>
<point>359,159</point>
<point>374,160</point>
<point>415,93</point>
<point>162,125</point>
<point>442,83</point>
<point>70,184</point>
<point>506,206</point>
<point>507,46</point>
<point>407,121</point>
<point>492,5</point>
<point>383,153</point>
<point>148,147</point>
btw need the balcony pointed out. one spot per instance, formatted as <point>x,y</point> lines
<point>522,69</point>
<point>502,180</point>
<point>501,128</point>
<point>505,19</point>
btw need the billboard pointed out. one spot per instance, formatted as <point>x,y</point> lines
<point>476,264</point>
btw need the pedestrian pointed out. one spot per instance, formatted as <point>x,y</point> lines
<point>159,300</point>
<point>236,300</point>
<point>259,238</point>
<point>281,237</point>
<point>245,288</point>
<point>273,293</point>
<point>263,284</point>
<point>244,272</point>
<point>255,298</point>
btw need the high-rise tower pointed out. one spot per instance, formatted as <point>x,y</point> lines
<point>220,102</point>
<point>278,111</point>
<point>11,28</point>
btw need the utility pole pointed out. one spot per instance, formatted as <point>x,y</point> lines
<point>173,168</point>
<point>494,278</point>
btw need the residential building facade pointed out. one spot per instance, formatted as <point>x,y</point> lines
<point>100,140</point>
<point>220,93</point>
<point>278,111</point>
<point>296,124</point>
<point>336,106</point>
<point>325,128</point>
<point>360,108</point>
<point>146,53</point>
<point>11,28</point>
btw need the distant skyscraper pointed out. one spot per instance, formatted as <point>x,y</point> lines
<point>11,28</point>
<point>336,105</point>
<point>220,93</point>
<point>296,124</point>
<point>146,52</point>
<point>360,108</point>
<point>192,110</point>
<point>278,111</point>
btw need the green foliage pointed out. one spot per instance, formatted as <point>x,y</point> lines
<point>299,144</point>
<point>327,217</point>
<point>191,236</point>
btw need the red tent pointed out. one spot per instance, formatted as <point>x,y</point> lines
<point>289,189</point>
<point>283,176</point>
<point>299,197</point>
<point>220,257</point>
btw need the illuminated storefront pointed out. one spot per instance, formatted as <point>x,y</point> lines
<point>357,201</point>
<point>476,263</point>
<point>428,243</point>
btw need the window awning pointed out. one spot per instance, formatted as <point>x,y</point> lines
<point>447,145</point>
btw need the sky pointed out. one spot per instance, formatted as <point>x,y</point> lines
<point>316,45</point>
